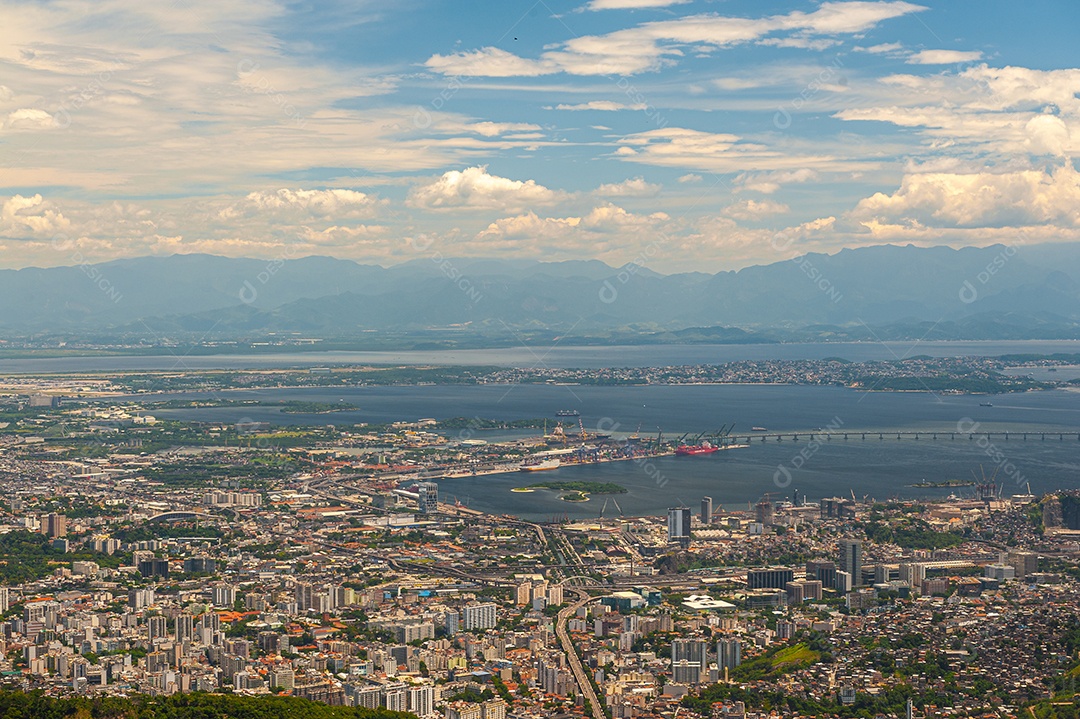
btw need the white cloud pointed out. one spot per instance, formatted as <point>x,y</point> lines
<point>635,187</point>
<point>28,119</point>
<point>726,153</point>
<point>195,99</point>
<point>259,225</point>
<point>689,178</point>
<point>494,129</point>
<point>476,189</point>
<point>721,239</point>
<point>337,235</point>
<point>334,203</point>
<point>603,106</point>
<point>606,232</point>
<point>887,48</point>
<point>653,45</point>
<point>1003,112</point>
<point>978,200</point>
<point>754,209</point>
<point>770,182</point>
<point>489,62</point>
<point>610,218</point>
<point>1047,135</point>
<point>529,226</point>
<point>944,57</point>
<point>20,216</point>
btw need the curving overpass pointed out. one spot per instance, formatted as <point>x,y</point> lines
<point>179,515</point>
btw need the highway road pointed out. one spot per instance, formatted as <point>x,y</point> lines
<point>571,654</point>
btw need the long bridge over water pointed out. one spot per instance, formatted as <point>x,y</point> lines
<point>881,435</point>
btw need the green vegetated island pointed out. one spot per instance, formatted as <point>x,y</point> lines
<point>576,491</point>
<point>575,486</point>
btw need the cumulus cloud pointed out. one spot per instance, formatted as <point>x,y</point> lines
<point>611,218</point>
<point>337,235</point>
<point>29,119</point>
<point>20,215</point>
<point>529,226</point>
<point>474,188</point>
<point>634,187</point>
<point>576,231</point>
<point>319,203</point>
<point>754,209</point>
<point>1047,135</point>
<point>978,200</point>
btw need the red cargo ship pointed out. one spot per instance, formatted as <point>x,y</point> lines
<point>689,450</point>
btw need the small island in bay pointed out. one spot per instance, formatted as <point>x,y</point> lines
<point>581,487</point>
<point>575,491</point>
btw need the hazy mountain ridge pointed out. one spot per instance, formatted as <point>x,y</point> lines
<point>971,293</point>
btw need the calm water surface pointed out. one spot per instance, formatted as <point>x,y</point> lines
<point>877,468</point>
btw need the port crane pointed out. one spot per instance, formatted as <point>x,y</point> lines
<point>723,434</point>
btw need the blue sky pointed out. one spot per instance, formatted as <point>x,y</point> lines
<point>696,135</point>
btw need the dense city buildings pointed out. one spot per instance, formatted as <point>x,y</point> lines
<point>331,567</point>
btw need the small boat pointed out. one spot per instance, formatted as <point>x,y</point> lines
<point>568,413</point>
<point>986,404</point>
<point>758,429</point>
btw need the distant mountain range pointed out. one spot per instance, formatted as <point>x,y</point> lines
<point>886,292</point>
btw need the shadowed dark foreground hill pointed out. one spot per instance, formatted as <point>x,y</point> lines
<point>17,705</point>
